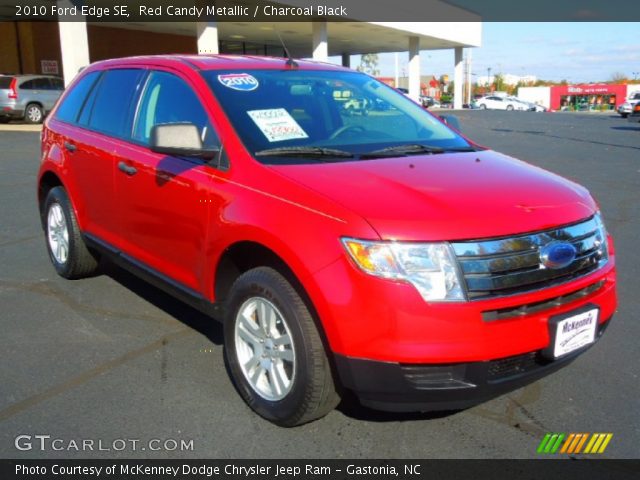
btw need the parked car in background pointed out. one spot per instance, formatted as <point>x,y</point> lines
<point>28,97</point>
<point>634,116</point>
<point>495,102</point>
<point>627,107</point>
<point>427,101</point>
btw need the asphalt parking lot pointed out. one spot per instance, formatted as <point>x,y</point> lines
<point>111,358</point>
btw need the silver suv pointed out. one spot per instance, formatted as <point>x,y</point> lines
<point>28,97</point>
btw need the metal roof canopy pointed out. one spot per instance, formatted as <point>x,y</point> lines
<point>343,37</point>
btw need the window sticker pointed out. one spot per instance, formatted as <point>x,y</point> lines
<point>277,125</point>
<point>239,81</point>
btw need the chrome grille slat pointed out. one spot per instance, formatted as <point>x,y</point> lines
<point>505,266</point>
<point>501,282</point>
<point>500,264</point>
<point>524,242</point>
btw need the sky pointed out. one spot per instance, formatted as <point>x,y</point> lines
<point>576,51</point>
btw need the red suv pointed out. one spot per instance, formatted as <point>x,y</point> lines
<point>381,253</point>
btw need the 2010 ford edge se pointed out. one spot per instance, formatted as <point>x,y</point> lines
<point>378,251</point>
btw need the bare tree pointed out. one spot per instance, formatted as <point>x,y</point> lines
<point>618,77</point>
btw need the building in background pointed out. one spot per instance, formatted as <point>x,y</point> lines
<point>582,97</point>
<point>65,47</point>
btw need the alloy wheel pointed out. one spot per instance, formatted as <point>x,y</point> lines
<point>264,348</point>
<point>58,233</point>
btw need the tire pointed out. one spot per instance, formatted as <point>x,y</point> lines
<point>483,106</point>
<point>509,108</point>
<point>62,233</point>
<point>5,119</point>
<point>301,389</point>
<point>624,115</point>
<point>33,113</point>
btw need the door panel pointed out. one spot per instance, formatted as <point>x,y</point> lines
<point>164,201</point>
<point>103,120</point>
<point>164,209</point>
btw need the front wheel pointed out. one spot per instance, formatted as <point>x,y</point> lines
<point>624,115</point>
<point>274,351</point>
<point>483,106</point>
<point>510,108</point>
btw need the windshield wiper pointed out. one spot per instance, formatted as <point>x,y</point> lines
<point>303,152</point>
<point>408,149</point>
<point>413,149</point>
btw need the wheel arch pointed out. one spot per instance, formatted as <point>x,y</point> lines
<point>242,256</point>
<point>48,180</point>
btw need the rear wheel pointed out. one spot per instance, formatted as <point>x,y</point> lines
<point>33,113</point>
<point>70,256</point>
<point>5,119</point>
<point>509,107</point>
<point>274,351</point>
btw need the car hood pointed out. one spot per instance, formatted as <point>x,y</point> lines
<point>448,196</point>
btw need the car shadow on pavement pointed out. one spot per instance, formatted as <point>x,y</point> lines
<point>206,325</point>
<point>630,127</point>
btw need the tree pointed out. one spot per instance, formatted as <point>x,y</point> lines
<point>498,81</point>
<point>618,77</point>
<point>369,64</point>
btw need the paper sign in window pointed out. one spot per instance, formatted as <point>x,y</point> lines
<point>277,125</point>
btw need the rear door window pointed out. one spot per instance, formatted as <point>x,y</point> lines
<point>113,105</point>
<point>41,84</point>
<point>28,85</point>
<point>72,103</point>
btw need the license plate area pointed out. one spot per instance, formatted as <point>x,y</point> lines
<point>572,331</point>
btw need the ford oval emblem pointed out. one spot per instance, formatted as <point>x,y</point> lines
<point>557,255</point>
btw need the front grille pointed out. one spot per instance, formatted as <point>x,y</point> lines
<point>507,266</point>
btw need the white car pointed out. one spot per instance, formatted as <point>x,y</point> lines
<point>494,102</point>
<point>529,106</point>
<point>627,107</point>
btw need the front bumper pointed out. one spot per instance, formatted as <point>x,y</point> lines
<point>430,387</point>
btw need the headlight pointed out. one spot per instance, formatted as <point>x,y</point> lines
<point>430,267</point>
<point>602,242</point>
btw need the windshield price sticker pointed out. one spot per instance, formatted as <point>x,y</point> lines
<point>277,125</point>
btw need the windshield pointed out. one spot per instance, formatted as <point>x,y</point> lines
<point>300,116</point>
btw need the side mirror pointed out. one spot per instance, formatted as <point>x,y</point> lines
<point>451,121</point>
<point>180,140</point>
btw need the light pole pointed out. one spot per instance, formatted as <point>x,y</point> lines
<point>635,75</point>
<point>488,78</point>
